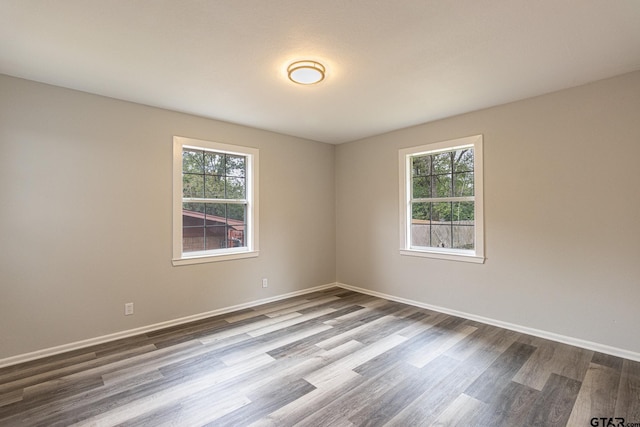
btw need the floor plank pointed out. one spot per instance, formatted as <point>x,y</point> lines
<point>554,403</point>
<point>628,400</point>
<point>460,412</point>
<point>597,396</point>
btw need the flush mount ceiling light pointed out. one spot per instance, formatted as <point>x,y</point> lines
<point>306,72</point>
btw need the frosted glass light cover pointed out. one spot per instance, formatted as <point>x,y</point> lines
<point>306,72</point>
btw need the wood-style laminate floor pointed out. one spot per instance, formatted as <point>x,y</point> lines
<point>331,358</point>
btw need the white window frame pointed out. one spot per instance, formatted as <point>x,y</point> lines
<point>475,255</point>
<point>251,175</point>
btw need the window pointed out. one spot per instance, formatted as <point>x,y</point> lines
<point>441,213</point>
<point>215,201</point>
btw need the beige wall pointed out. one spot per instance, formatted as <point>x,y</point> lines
<point>562,215</point>
<point>85,218</point>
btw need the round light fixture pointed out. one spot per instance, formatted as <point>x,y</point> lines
<point>306,72</point>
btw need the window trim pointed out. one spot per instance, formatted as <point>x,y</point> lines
<point>251,175</point>
<point>404,156</point>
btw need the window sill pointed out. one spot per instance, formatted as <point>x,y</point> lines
<point>449,256</point>
<point>213,258</point>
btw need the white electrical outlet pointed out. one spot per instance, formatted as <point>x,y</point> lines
<point>128,309</point>
<point>265,282</point>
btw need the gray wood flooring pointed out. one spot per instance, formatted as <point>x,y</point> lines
<point>331,358</point>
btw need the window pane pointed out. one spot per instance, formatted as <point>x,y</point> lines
<point>192,161</point>
<point>214,187</point>
<point>463,225</point>
<point>235,188</point>
<point>193,214</point>
<point>216,237</point>
<point>441,163</point>
<point>463,236</point>
<point>442,186</point>
<point>422,187</point>
<point>192,239</point>
<point>216,214</point>
<point>236,213</point>
<point>441,235</point>
<point>420,224</point>
<point>235,236</point>
<point>236,166</point>
<point>441,225</point>
<point>213,163</point>
<point>463,184</point>
<point>420,211</point>
<point>237,224</point>
<point>192,186</point>
<point>463,213</point>
<point>420,234</point>
<point>441,211</point>
<point>463,160</point>
<point>421,166</point>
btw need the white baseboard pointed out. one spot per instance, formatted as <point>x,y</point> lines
<point>589,345</point>
<point>21,358</point>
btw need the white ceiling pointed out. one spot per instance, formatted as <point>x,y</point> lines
<point>390,64</point>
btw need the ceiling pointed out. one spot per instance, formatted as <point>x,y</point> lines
<point>390,64</point>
